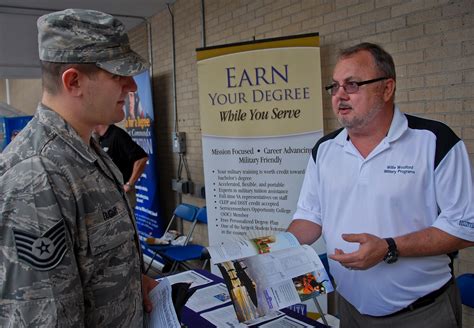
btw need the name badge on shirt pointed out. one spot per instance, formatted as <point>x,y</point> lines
<point>110,213</point>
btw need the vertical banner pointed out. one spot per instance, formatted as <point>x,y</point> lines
<point>139,122</point>
<point>11,126</point>
<point>261,114</point>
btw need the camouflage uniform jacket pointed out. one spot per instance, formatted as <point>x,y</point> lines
<point>68,254</point>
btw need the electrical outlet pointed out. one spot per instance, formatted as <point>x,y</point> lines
<point>179,142</point>
<point>182,186</point>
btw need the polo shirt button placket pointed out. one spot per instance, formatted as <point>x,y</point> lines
<point>363,173</point>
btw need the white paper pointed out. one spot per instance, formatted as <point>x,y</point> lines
<point>286,322</point>
<point>163,314</point>
<point>208,297</point>
<point>234,250</point>
<point>223,317</point>
<point>226,317</point>
<point>282,265</point>
<point>278,296</point>
<point>191,276</point>
<point>268,316</point>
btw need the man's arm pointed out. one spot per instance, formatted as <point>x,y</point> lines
<point>305,231</point>
<point>454,199</point>
<point>138,168</point>
<point>427,242</point>
<point>41,284</point>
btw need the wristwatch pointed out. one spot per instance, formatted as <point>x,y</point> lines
<point>129,184</point>
<point>392,253</point>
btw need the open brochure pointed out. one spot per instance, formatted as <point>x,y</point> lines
<point>269,273</point>
<point>163,313</point>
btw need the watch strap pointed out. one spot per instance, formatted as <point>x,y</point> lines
<point>391,244</point>
<point>392,252</point>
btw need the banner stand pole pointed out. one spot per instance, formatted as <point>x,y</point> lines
<point>321,313</point>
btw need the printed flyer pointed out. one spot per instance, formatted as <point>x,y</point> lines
<point>269,273</point>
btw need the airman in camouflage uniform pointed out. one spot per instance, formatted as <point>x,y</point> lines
<point>69,254</point>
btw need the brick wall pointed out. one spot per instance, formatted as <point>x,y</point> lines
<point>432,43</point>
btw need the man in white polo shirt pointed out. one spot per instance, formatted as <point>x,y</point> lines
<point>391,194</point>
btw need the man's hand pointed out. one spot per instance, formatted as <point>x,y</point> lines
<point>147,285</point>
<point>371,251</point>
<point>127,187</point>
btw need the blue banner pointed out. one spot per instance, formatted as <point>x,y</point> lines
<point>139,122</point>
<point>12,126</point>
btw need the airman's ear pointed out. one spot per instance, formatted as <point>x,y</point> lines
<point>72,81</point>
<point>389,91</point>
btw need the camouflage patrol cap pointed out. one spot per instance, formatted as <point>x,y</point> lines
<point>83,36</point>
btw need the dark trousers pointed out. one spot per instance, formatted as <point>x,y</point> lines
<point>444,312</point>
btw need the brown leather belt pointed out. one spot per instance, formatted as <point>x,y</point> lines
<point>422,301</point>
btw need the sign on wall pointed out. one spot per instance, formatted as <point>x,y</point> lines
<point>261,114</point>
<point>139,123</point>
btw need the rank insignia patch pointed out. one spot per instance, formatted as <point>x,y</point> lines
<point>42,253</point>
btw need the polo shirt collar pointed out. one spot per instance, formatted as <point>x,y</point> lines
<point>398,126</point>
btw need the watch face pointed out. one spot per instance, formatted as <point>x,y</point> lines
<point>391,257</point>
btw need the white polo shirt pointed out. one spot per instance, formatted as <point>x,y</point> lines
<point>419,168</point>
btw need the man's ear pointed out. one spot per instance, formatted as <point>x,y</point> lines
<point>389,90</point>
<point>72,81</point>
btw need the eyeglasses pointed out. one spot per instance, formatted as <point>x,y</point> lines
<point>350,86</point>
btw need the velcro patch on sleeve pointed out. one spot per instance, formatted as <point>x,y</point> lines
<point>42,253</point>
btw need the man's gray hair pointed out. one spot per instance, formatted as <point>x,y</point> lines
<point>383,60</point>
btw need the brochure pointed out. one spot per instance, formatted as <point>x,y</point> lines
<point>194,278</point>
<point>225,317</point>
<point>269,273</point>
<point>286,322</point>
<point>163,313</point>
<point>208,297</point>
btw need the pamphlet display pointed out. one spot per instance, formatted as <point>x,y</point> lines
<point>269,273</point>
